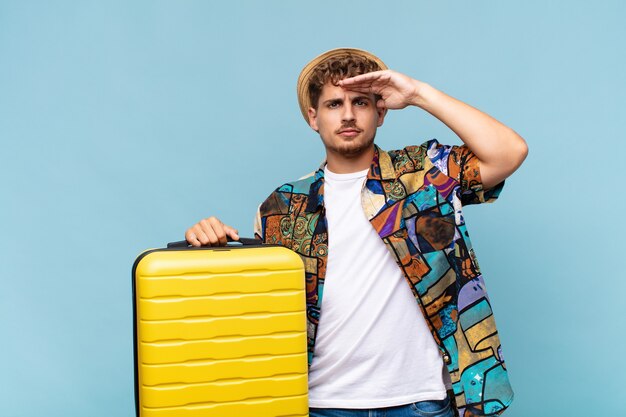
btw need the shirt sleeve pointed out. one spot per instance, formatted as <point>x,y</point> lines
<point>258,227</point>
<point>463,166</point>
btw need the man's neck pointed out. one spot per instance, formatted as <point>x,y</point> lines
<point>340,164</point>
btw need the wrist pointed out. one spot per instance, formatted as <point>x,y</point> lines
<point>423,94</point>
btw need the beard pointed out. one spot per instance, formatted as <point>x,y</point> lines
<point>352,149</point>
<point>349,148</point>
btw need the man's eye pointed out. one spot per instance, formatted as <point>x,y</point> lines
<point>333,105</point>
<point>361,103</point>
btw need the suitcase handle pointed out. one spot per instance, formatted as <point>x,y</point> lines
<point>243,240</point>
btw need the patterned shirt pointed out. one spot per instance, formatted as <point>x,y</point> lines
<point>413,198</point>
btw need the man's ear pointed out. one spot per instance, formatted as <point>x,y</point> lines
<point>382,111</point>
<point>313,119</point>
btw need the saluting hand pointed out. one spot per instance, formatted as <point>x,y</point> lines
<point>397,90</point>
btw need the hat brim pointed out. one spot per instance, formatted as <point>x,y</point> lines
<point>304,98</point>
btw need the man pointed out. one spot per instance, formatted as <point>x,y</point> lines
<point>406,326</point>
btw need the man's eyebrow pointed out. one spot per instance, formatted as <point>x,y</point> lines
<point>333,101</point>
<point>340,100</point>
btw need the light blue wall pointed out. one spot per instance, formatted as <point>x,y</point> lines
<point>123,123</point>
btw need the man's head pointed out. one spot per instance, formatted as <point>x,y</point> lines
<point>335,69</point>
<point>345,119</point>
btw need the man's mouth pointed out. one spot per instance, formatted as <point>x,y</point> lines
<point>351,132</point>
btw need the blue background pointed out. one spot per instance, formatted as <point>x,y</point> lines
<point>123,123</point>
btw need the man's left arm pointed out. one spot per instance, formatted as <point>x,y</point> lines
<point>499,148</point>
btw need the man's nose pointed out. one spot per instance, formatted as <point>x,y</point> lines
<point>348,113</point>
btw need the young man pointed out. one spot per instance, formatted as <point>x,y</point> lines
<point>406,326</point>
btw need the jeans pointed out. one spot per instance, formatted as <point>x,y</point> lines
<point>429,408</point>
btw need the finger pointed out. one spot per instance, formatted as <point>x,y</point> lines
<point>218,229</point>
<point>207,229</point>
<point>367,77</point>
<point>201,235</point>
<point>212,238</point>
<point>191,238</point>
<point>366,87</point>
<point>233,233</point>
<point>362,88</point>
<point>205,232</point>
<point>358,85</point>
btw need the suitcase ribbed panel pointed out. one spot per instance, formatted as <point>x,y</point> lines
<point>221,332</point>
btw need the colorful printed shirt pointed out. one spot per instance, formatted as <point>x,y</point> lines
<point>413,198</point>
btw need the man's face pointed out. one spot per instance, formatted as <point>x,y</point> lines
<point>346,120</point>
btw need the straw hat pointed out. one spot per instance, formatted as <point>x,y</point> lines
<point>307,72</point>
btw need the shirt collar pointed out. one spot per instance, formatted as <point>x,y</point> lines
<point>381,169</point>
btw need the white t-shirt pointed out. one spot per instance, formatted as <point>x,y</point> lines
<point>373,347</point>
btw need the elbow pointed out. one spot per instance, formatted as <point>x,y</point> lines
<point>523,151</point>
<point>519,151</point>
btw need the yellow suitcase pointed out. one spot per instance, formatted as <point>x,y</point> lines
<point>220,332</point>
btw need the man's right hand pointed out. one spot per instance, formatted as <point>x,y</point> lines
<point>210,232</point>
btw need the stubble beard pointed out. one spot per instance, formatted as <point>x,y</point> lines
<point>351,149</point>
